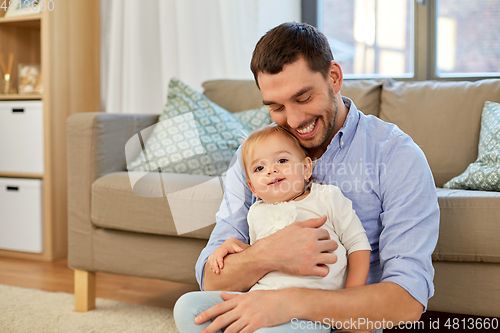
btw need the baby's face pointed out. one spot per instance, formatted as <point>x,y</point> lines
<point>277,169</point>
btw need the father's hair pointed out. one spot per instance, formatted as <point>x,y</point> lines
<point>285,43</point>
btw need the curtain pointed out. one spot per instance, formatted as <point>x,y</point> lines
<point>146,42</point>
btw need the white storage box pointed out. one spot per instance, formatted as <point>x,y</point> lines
<point>21,137</point>
<point>21,215</point>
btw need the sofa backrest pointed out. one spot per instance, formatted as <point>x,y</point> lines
<point>443,118</point>
<point>365,94</point>
<point>233,95</point>
<point>239,95</point>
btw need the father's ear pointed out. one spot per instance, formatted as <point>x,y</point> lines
<point>336,76</point>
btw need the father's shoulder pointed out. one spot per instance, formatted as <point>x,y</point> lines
<point>381,133</point>
<point>388,141</point>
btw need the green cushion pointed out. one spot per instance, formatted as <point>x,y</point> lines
<point>484,173</point>
<point>194,135</point>
<point>255,118</point>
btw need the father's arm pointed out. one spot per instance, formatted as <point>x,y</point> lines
<point>410,222</point>
<point>410,226</point>
<point>310,251</point>
<point>231,223</point>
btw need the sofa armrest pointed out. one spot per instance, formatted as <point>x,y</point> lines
<point>96,147</point>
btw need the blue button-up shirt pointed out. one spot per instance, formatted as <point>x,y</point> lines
<point>387,178</point>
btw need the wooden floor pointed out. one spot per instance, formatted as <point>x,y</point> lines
<point>56,276</point>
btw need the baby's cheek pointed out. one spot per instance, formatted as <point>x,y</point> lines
<point>298,186</point>
<point>287,170</point>
<point>261,182</point>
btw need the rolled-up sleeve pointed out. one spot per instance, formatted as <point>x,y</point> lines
<point>410,220</point>
<point>231,219</point>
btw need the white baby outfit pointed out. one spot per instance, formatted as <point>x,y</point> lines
<point>342,223</point>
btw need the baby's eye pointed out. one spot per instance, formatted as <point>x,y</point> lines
<point>258,169</point>
<point>282,160</point>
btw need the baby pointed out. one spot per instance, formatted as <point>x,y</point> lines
<point>278,171</point>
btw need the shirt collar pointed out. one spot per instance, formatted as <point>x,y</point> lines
<point>351,121</point>
<point>345,134</point>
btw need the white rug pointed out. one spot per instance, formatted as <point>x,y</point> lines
<point>32,310</point>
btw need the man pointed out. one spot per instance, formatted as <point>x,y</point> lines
<point>377,166</point>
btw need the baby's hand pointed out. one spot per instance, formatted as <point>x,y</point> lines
<point>232,245</point>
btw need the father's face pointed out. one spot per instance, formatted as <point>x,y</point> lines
<point>303,102</point>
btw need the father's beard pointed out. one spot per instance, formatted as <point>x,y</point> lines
<point>321,140</point>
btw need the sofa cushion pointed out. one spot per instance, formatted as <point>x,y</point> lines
<point>469,226</point>
<point>193,136</point>
<point>484,173</point>
<point>443,118</point>
<point>237,95</point>
<point>254,119</point>
<point>188,211</point>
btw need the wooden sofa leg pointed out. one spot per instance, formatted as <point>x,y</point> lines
<point>84,291</point>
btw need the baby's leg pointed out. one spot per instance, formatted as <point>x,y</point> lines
<point>297,326</point>
<point>190,305</point>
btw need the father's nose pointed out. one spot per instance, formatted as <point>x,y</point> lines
<point>296,117</point>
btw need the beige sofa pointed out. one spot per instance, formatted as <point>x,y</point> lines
<point>113,230</point>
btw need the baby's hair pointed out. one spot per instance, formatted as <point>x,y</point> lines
<point>258,136</point>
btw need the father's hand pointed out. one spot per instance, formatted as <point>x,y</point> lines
<point>302,248</point>
<point>249,312</point>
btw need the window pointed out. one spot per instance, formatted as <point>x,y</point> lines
<point>370,38</point>
<point>411,39</point>
<point>468,38</point>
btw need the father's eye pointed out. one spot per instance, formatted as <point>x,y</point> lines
<point>258,169</point>
<point>277,109</point>
<point>282,160</point>
<point>305,100</point>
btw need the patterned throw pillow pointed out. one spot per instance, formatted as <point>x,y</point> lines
<point>484,173</point>
<point>194,135</point>
<point>254,119</point>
